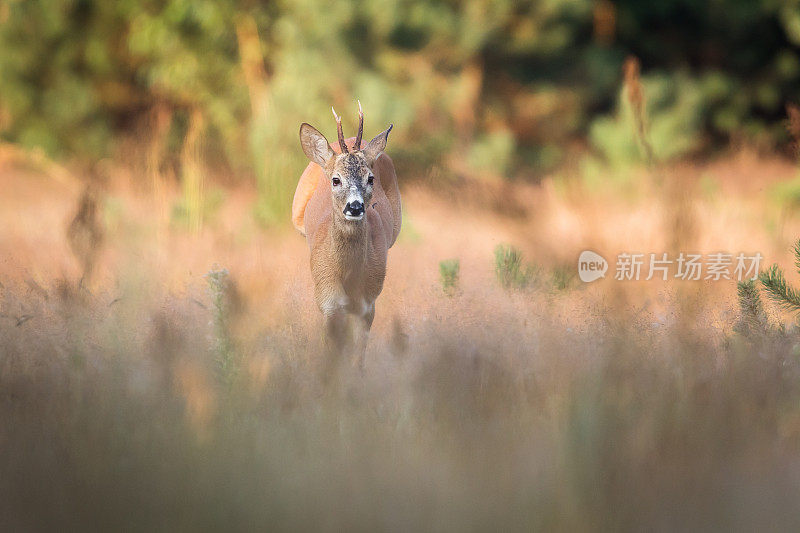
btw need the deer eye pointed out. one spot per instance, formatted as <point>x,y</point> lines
<point>370,179</point>
<point>336,181</point>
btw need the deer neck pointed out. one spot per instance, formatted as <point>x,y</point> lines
<point>349,242</point>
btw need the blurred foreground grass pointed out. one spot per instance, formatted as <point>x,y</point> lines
<point>116,416</point>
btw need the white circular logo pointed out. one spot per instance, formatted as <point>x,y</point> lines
<point>591,266</point>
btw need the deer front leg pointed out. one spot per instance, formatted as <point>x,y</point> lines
<point>335,334</point>
<point>362,325</point>
<point>334,339</point>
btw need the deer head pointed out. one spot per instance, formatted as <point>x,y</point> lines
<point>350,172</point>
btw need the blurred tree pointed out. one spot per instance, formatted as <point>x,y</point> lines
<point>474,87</point>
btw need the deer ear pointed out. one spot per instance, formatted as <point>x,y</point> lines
<point>315,145</point>
<point>377,145</point>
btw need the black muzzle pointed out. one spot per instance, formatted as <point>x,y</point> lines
<point>354,209</point>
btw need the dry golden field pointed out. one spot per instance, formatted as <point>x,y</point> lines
<point>162,394</point>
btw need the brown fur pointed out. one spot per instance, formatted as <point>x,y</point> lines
<point>348,259</point>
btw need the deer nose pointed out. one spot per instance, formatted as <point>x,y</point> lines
<point>355,207</point>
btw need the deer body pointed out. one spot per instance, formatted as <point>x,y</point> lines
<point>348,206</point>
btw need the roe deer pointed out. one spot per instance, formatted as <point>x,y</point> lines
<point>347,204</point>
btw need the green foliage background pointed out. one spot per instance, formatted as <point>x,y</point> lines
<point>500,85</point>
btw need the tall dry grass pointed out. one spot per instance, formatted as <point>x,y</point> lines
<point>495,415</point>
<point>173,394</point>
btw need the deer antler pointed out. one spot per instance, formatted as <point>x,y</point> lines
<point>360,126</point>
<point>340,132</point>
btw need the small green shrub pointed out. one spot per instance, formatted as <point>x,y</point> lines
<point>563,277</point>
<point>777,289</point>
<point>448,272</point>
<point>509,268</point>
<point>753,318</point>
